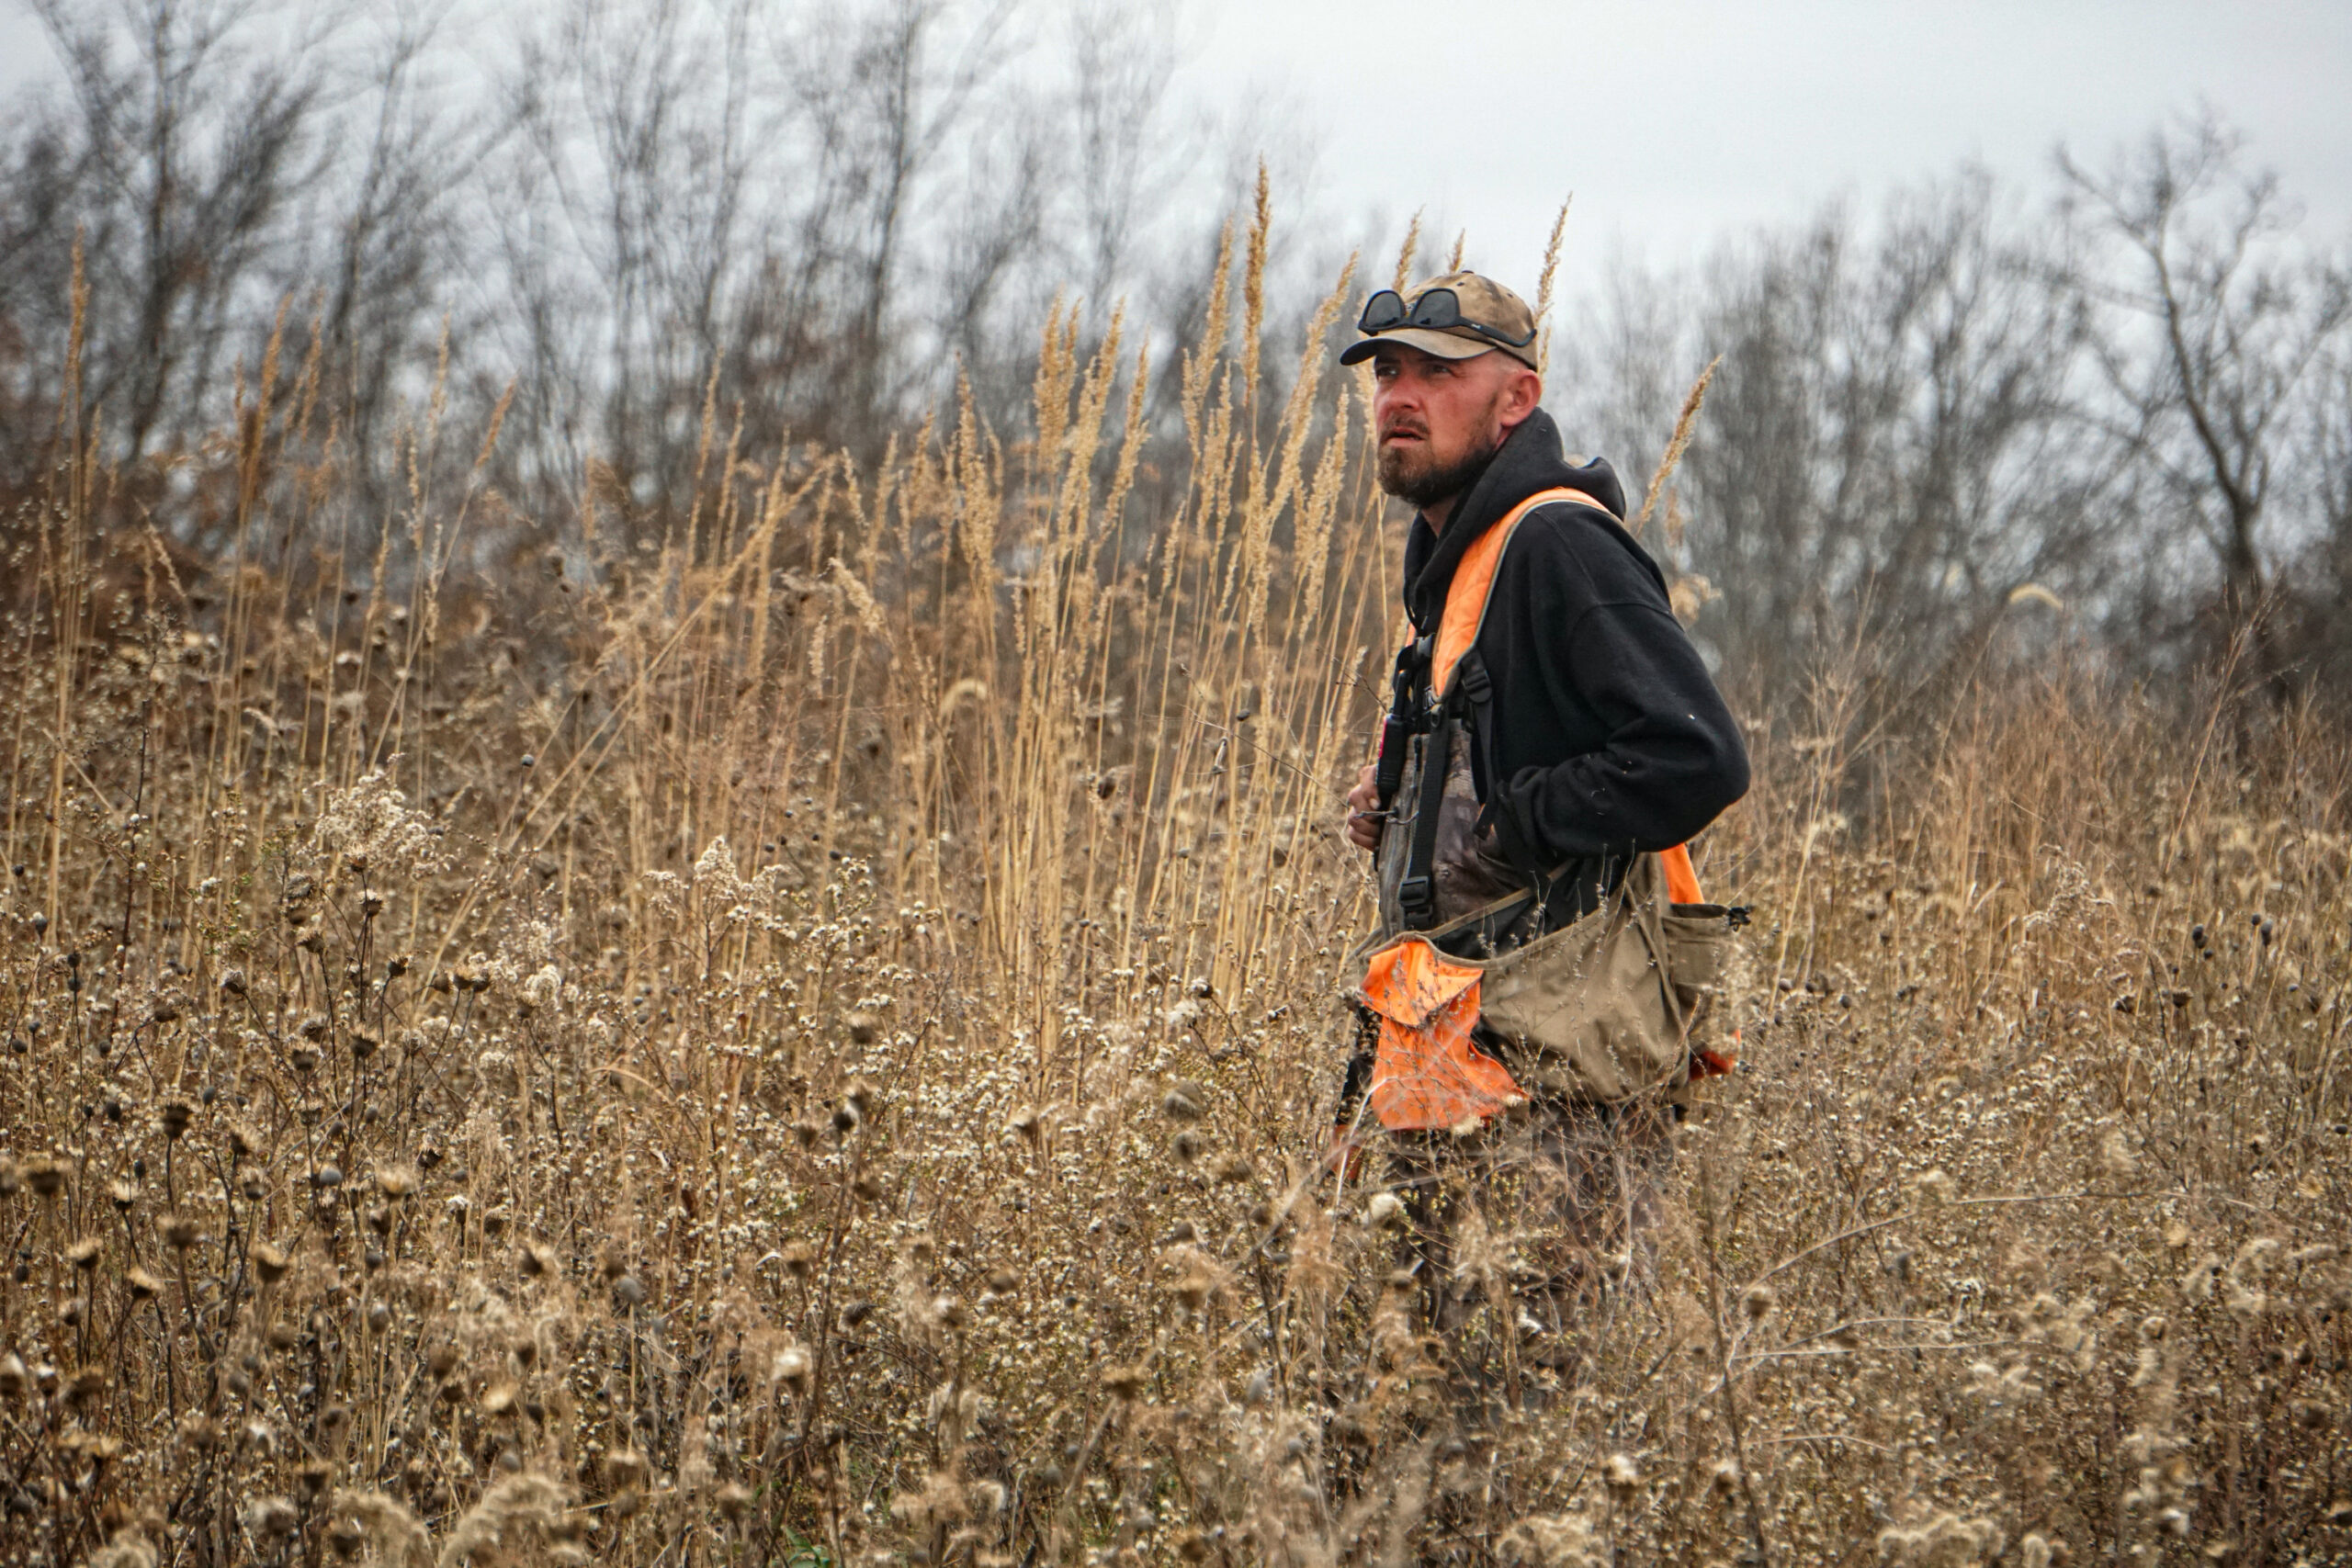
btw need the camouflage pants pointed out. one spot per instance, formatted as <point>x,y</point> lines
<point>1525,1237</point>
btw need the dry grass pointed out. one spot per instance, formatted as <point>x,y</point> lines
<point>815,1042</point>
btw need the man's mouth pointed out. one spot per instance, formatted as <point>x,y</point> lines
<point>1389,435</point>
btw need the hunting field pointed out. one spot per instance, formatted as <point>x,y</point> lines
<point>812,1038</point>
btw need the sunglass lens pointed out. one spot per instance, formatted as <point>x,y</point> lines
<point>1382,311</point>
<point>1438,307</point>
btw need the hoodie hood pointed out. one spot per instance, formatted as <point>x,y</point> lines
<point>1529,460</point>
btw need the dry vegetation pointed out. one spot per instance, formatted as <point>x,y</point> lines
<point>816,1041</point>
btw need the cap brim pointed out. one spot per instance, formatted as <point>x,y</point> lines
<point>1429,340</point>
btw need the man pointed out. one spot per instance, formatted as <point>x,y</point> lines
<point>1601,737</point>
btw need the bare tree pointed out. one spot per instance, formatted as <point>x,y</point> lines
<point>188,147</point>
<point>1889,449</point>
<point>2209,324</point>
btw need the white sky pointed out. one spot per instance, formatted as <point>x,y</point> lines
<point>1678,121</point>
<point>1675,121</point>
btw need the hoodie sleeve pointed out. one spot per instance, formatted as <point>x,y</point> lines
<point>1616,664</point>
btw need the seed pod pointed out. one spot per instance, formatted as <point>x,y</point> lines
<point>122,1195</point>
<point>13,1379</point>
<point>232,981</point>
<point>176,1115</point>
<point>180,1232</point>
<point>141,1283</point>
<point>305,1059</point>
<point>84,1254</point>
<point>271,1517</point>
<point>795,1370</point>
<point>270,1263</point>
<point>45,1176</point>
<point>629,1291</point>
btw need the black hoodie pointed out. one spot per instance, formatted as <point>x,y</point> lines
<point>1609,735</point>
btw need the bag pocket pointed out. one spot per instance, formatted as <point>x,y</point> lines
<point>1586,1012</point>
<point>1698,947</point>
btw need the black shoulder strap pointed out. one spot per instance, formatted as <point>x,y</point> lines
<point>1416,894</point>
<point>1403,715</point>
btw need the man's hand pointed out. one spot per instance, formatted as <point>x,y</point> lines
<point>1364,820</point>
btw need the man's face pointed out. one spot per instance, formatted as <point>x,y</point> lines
<point>1440,420</point>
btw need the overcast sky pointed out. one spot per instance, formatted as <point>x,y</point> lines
<point>1677,120</point>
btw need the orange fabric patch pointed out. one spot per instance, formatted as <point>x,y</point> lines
<point>1426,1074</point>
<point>1681,882</point>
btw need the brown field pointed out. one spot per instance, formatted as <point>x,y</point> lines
<point>816,1041</point>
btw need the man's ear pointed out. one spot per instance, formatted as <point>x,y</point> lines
<point>1521,398</point>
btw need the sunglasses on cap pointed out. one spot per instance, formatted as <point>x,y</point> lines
<point>1437,309</point>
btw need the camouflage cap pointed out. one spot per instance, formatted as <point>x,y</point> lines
<point>1485,316</point>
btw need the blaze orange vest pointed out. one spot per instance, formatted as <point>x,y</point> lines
<point>1427,1073</point>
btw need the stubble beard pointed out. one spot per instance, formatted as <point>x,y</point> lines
<point>1409,472</point>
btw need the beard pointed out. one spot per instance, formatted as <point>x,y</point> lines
<point>1412,474</point>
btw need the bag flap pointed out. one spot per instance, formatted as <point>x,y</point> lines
<point>1409,981</point>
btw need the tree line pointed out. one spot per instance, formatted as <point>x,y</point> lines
<point>1966,422</point>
